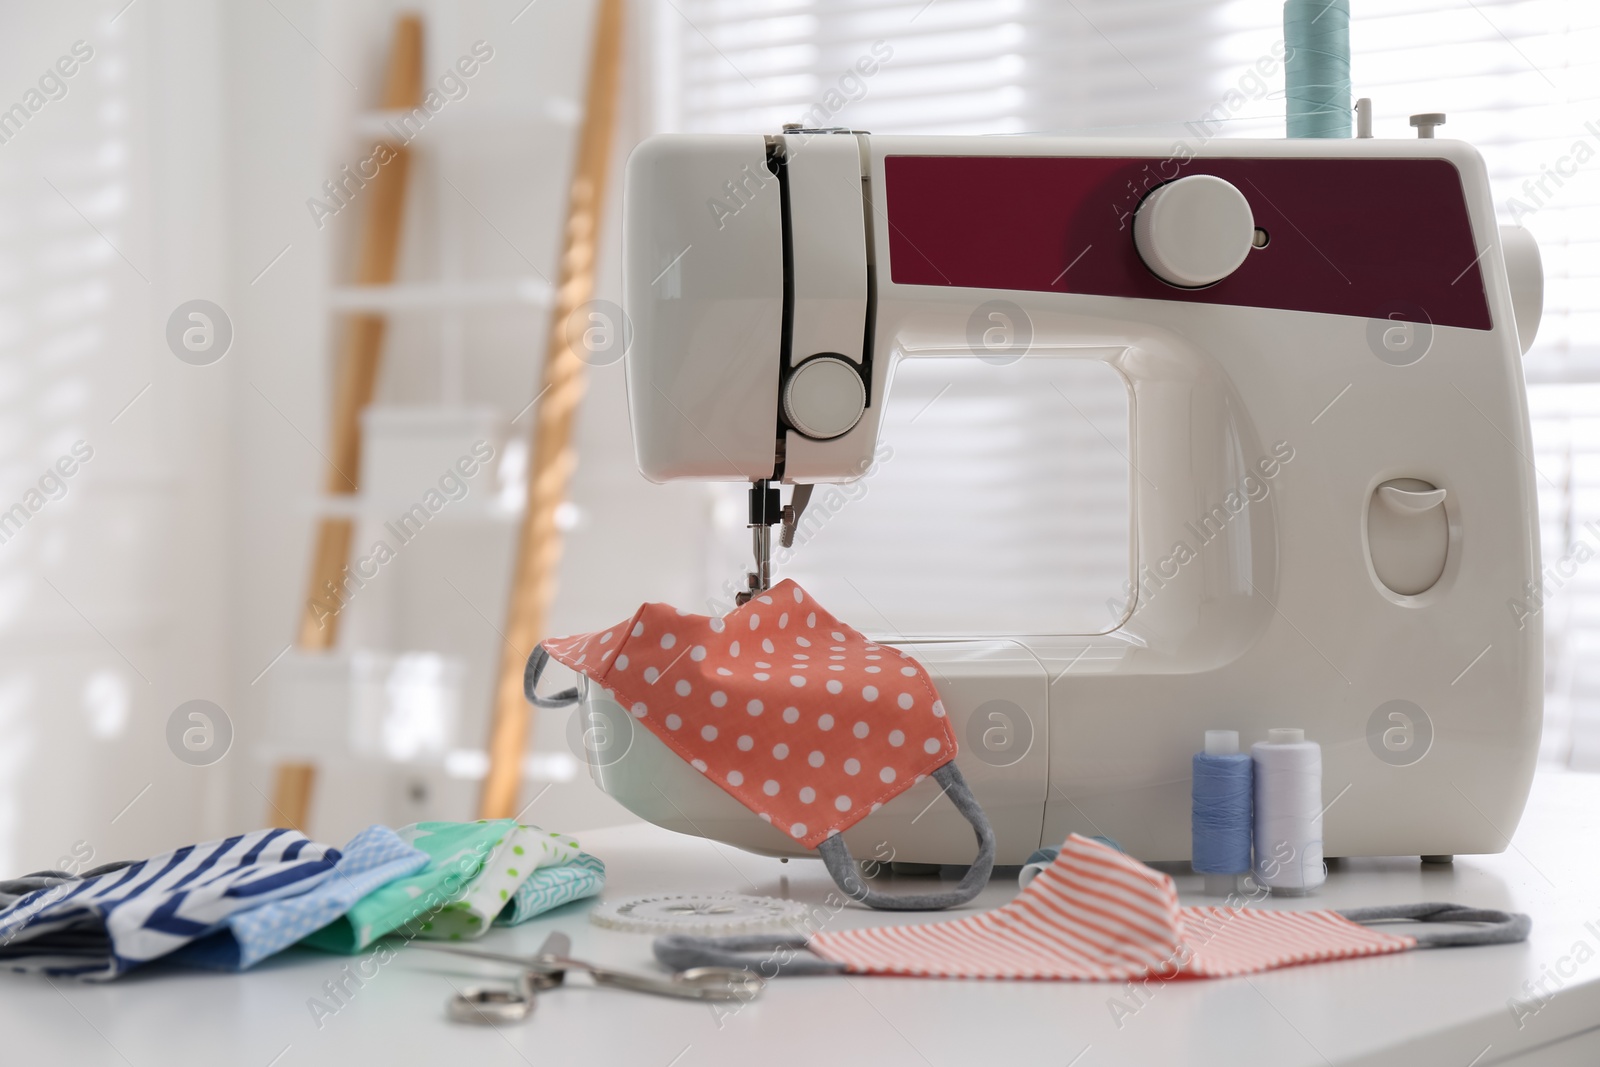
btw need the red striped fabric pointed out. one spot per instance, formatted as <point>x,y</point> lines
<point>1098,915</point>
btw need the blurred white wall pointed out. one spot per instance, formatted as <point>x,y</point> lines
<point>177,165</point>
<point>487,201</point>
<point>114,591</point>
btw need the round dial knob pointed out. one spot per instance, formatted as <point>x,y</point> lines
<point>824,397</point>
<point>1194,231</point>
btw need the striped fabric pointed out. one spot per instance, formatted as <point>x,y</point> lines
<point>1098,915</point>
<point>373,858</point>
<point>98,928</point>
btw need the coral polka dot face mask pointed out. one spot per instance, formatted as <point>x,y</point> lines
<point>802,719</point>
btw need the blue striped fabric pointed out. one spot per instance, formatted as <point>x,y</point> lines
<point>373,858</point>
<point>98,928</point>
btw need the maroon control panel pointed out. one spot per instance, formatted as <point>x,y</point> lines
<point>1375,238</point>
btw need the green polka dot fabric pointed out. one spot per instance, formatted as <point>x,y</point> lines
<point>519,858</point>
<point>551,887</point>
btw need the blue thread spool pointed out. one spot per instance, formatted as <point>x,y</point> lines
<point>1220,819</point>
<point>1316,67</point>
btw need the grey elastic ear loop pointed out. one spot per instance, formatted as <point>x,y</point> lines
<point>1497,927</point>
<point>530,682</point>
<point>768,955</point>
<point>836,856</point>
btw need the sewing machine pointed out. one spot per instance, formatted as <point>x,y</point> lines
<point>1337,321</point>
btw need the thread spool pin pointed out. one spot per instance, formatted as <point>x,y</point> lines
<point>1364,118</point>
<point>1427,123</point>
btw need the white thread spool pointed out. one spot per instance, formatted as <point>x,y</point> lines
<point>1288,813</point>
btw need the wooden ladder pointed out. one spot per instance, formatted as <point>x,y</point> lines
<point>552,457</point>
<point>357,376</point>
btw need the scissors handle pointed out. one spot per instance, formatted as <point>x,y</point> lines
<point>488,1005</point>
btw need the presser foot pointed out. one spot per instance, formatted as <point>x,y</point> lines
<point>764,515</point>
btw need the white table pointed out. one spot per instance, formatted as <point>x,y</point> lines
<point>1447,1007</point>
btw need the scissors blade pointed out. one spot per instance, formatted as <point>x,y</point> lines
<point>537,964</point>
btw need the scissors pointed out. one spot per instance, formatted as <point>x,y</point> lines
<point>548,968</point>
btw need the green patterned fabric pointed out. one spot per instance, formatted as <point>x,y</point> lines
<point>456,855</point>
<point>517,860</point>
<point>551,887</point>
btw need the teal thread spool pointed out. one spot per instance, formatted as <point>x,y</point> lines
<point>1316,68</point>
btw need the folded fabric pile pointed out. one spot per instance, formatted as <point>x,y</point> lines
<point>230,904</point>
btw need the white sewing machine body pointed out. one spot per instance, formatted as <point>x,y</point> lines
<point>1315,602</point>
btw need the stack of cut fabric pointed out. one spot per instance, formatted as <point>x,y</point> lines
<point>232,903</point>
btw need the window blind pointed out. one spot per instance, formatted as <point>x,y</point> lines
<point>82,591</point>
